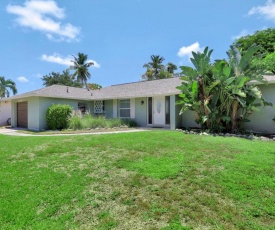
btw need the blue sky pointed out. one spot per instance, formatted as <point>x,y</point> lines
<point>39,37</point>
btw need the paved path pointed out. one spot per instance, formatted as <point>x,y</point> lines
<point>13,132</point>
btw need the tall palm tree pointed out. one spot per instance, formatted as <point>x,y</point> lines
<point>5,86</point>
<point>80,65</point>
<point>154,67</point>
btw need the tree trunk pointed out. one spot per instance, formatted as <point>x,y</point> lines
<point>234,112</point>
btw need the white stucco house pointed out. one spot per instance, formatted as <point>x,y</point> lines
<point>149,103</point>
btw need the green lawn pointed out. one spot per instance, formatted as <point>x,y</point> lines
<point>145,180</point>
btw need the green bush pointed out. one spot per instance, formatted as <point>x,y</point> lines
<point>57,116</point>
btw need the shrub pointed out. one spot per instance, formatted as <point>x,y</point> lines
<point>57,116</point>
<point>75,122</point>
<point>129,122</point>
<point>87,121</point>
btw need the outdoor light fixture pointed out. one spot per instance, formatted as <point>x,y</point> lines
<point>142,102</point>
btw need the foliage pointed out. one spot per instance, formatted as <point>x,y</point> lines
<point>78,121</point>
<point>155,69</point>
<point>218,92</point>
<point>57,116</point>
<point>6,86</point>
<point>265,40</point>
<point>91,181</point>
<point>80,66</point>
<point>60,79</point>
<point>94,86</point>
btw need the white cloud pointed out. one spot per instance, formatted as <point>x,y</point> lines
<point>241,34</point>
<point>67,61</point>
<point>187,50</point>
<point>44,16</point>
<point>22,79</point>
<point>268,10</point>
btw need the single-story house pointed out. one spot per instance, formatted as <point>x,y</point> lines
<point>149,103</point>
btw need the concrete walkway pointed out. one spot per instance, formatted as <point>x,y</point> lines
<point>13,132</point>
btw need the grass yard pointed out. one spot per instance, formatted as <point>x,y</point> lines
<point>145,180</point>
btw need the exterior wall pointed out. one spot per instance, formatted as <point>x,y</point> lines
<point>108,108</point>
<point>141,111</point>
<point>33,113</point>
<point>37,108</point>
<point>175,117</point>
<point>262,121</point>
<point>188,119</point>
<point>5,111</point>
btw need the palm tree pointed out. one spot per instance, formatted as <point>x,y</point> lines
<point>171,67</point>
<point>80,66</point>
<point>5,86</point>
<point>154,67</point>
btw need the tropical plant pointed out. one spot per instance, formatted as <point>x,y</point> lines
<point>221,94</point>
<point>6,86</point>
<point>60,79</point>
<point>197,86</point>
<point>171,67</point>
<point>155,69</point>
<point>81,65</point>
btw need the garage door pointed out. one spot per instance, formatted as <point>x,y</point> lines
<point>22,114</point>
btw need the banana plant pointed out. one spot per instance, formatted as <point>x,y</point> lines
<point>197,86</point>
<point>239,66</point>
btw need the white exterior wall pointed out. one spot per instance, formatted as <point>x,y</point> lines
<point>5,111</point>
<point>262,121</point>
<point>132,108</point>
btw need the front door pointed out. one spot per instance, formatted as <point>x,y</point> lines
<point>159,110</point>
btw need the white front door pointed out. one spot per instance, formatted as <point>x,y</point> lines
<point>159,110</point>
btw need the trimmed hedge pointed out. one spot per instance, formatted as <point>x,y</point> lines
<point>57,116</point>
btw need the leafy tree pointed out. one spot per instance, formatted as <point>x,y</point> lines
<point>80,65</point>
<point>94,86</point>
<point>218,92</point>
<point>6,86</point>
<point>155,69</point>
<point>265,40</point>
<point>60,79</point>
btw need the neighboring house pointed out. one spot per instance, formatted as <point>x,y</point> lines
<point>149,103</point>
<point>5,111</point>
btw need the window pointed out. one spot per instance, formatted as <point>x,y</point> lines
<point>150,110</point>
<point>167,110</point>
<point>82,107</point>
<point>124,108</point>
<point>98,106</point>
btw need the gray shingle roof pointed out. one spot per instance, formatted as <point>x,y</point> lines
<point>130,90</point>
